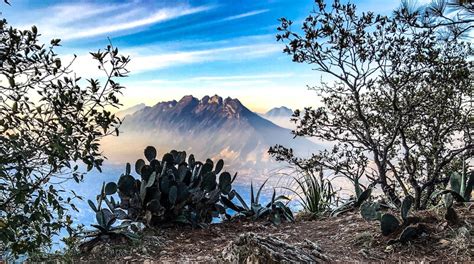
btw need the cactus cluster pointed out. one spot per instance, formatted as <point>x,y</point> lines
<point>389,223</point>
<point>173,190</point>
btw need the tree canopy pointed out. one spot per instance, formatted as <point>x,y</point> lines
<point>51,121</point>
<point>396,101</point>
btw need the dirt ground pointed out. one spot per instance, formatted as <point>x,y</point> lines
<point>347,238</point>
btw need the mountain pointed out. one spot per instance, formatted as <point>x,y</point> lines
<point>281,111</point>
<point>280,116</point>
<point>209,127</point>
<point>130,110</point>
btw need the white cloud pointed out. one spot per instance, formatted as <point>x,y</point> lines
<point>248,14</point>
<point>158,16</point>
<point>243,77</point>
<point>75,21</point>
<point>150,58</point>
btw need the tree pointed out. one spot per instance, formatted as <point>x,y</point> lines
<point>399,96</point>
<point>451,18</point>
<point>50,122</point>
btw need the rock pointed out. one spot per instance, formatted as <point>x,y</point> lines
<point>444,243</point>
<point>253,248</point>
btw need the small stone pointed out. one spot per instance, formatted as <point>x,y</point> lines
<point>444,243</point>
<point>127,258</point>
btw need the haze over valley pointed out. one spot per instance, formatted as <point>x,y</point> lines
<point>211,126</point>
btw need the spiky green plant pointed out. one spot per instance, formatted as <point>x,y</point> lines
<point>275,211</point>
<point>315,193</point>
<point>106,217</point>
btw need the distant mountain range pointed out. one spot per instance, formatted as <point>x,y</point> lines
<point>280,116</point>
<point>209,127</point>
<point>281,111</point>
<point>130,110</point>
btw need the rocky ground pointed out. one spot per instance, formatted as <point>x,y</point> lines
<point>347,238</point>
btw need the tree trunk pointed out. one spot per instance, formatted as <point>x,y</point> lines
<point>388,190</point>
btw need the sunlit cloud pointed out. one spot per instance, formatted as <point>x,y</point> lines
<point>248,14</point>
<point>158,16</point>
<point>243,77</point>
<point>78,21</point>
<point>149,61</point>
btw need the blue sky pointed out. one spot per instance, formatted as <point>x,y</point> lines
<point>186,47</point>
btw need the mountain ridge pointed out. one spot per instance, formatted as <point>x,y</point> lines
<point>209,127</point>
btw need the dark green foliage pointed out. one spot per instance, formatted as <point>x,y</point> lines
<point>401,97</point>
<point>172,191</point>
<point>316,194</point>
<point>363,197</point>
<point>370,211</point>
<point>408,234</point>
<point>275,211</point>
<point>389,224</point>
<point>150,153</point>
<point>461,185</point>
<point>355,202</point>
<point>51,122</point>
<point>110,188</point>
<point>107,217</point>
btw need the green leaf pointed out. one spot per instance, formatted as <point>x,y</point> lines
<point>139,165</point>
<point>127,169</point>
<point>110,188</point>
<point>150,153</point>
<point>363,197</point>
<point>455,182</point>
<point>389,224</point>
<point>259,190</point>
<point>92,205</point>
<point>219,166</point>
<point>100,217</point>
<point>173,195</point>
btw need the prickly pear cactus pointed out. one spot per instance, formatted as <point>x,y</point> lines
<point>173,191</point>
<point>370,211</point>
<point>389,224</point>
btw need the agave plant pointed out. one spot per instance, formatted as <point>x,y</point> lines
<point>460,191</point>
<point>315,194</point>
<point>107,217</point>
<point>461,186</point>
<point>353,203</point>
<point>172,191</point>
<point>275,211</point>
